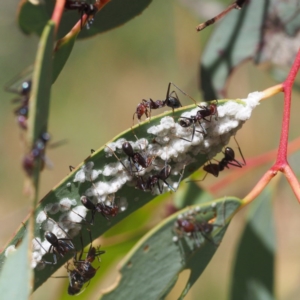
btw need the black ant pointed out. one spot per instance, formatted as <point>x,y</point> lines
<point>23,89</point>
<point>83,270</point>
<point>146,106</point>
<point>104,209</point>
<point>204,113</point>
<point>59,246</point>
<point>135,157</point>
<point>225,162</point>
<point>153,180</point>
<point>84,8</point>
<point>190,226</point>
<point>37,152</point>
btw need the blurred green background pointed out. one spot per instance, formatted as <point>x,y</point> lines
<point>94,99</point>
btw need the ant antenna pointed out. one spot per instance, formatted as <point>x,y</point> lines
<point>240,151</point>
<point>184,93</point>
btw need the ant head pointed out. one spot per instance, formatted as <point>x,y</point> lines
<point>26,88</point>
<point>165,172</point>
<point>87,203</point>
<point>127,149</point>
<point>90,9</point>
<point>51,237</point>
<point>229,153</point>
<point>76,283</point>
<point>45,137</point>
<point>22,111</point>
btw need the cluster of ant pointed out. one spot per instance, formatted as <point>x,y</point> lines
<point>59,235</point>
<point>149,166</point>
<point>37,152</point>
<point>80,271</point>
<point>23,90</point>
<point>203,114</point>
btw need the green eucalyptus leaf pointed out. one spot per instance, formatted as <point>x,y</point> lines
<point>101,177</point>
<point>40,94</point>
<point>33,18</point>
<point>261,30</point>
<point>16,274</point>
<point>235,39</point>
<point>190,193</point>
<point>253,273</point>
<point>61,54</point>
<point>154,264</point>
<point>42,80</point>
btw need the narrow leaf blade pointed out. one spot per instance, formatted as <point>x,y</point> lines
<point>253,273</point>
<point>16,275</point>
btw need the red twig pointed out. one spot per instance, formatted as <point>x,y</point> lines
<point>77,27</point>
<point>57,13</point>
<point>281,164</point>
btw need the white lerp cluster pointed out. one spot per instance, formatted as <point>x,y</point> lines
<point>66,227</point>
<point>170,148</point>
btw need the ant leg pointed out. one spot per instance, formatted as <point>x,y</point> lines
<point>47,251</point>
<point>206,237</point>
<point>235,163</point>
<point>168,90</point>
<point>193,132</point>
<point>81,252</point>
<point>115,155</point>
<point>216,112</point>
<point>81,16</point>
<point>204,132</point>
<point>179,180</point>
<point>240,152</point>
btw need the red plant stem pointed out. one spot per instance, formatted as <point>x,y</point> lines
<point>262,183</point>
<point>57,13</point>
<point>293,181</point>
<point>281,163</point>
